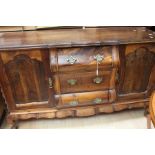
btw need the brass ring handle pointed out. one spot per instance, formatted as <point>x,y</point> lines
<point>71,60</point>
<point>73,103</point>
<point>98,59</point>
<point>98,100</point>
<point>98,80</point>
<point>72,82</point>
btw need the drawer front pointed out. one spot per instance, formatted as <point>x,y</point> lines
<point>71,59</point>
<point>84,81</point>
<point>77,99</point>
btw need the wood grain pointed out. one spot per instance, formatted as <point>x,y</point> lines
<point>138,67</point>
<point>86,83</point>
<point>84,58</point>
<point>86,98</point>
<point>27,77</point>
<point>35,71</point>
<point>76,112</point>
<point>75,37</point>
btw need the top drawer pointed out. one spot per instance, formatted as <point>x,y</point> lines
<point>71,59</point>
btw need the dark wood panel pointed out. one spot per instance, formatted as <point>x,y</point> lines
<point>6,88</point>
<point>2,106</point>
<point>49,76</point>
<point>151,84</point>
<point>26,76</point>
<point>138,67</point>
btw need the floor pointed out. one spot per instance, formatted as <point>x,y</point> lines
<point>131,119</point>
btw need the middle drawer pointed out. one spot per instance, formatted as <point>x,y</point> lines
<point>84,81</point>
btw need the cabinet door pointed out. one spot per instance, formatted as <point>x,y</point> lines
<point>25,78</point>
<point>138,69</point>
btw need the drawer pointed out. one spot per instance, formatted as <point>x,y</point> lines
<point>87,98</point>
<point>84,58</point>
<point>84,81</point>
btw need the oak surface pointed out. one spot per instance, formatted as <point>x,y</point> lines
<point>75,37</point>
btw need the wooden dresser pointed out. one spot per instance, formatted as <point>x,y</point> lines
<point>76,72</point>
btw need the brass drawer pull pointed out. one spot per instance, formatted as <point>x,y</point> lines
<point>98,80</point>
<point>99,58</point>
<point>73,103</point>
<point>98,100</point>
<point>71,60</point>
<point>72,82</point>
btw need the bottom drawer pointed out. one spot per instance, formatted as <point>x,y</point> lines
<point>78,99</point>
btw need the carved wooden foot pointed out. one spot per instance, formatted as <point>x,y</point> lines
<point>146,110</point>
<point>13,124</point>
<point>148,121</point>
<point>2,118</point>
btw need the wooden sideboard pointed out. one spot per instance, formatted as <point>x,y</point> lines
<point>76,72</point>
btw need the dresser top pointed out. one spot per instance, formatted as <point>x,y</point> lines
<point>75,37</point>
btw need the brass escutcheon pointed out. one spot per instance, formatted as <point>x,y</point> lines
<point>98,80</point>
<point>73,103</point>
<point>72,82</point>
<point>71,60</point>
<point>98,100</point>
<point>98,57</point>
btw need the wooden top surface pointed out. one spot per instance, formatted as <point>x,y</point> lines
<point>75,37</point>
